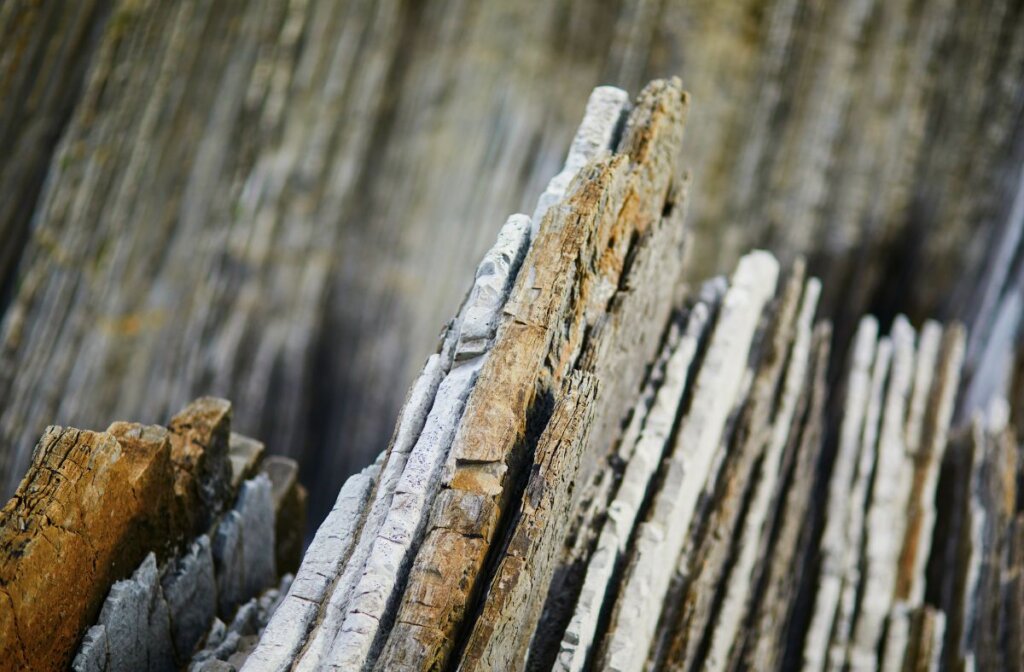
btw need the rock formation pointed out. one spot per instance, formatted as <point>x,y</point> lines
<point>125,545</point>
<point>279,201</point>
<point>612,459</point>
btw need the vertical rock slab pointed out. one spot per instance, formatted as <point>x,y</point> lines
<point>885,523</point>
<point>511,609</point>
<point>291,622</point>
<point>568,276</point>
<point>243,547</point>
<point>289,511</point>
<point>644,459</point>
<point>366,593</point>
<point>191,594</point>
<point>137,623</point>
<point>832,546</point>
<point>755,533</point>
<point>855,532</point>
<point>200,438</point>
<point>94,655</point>
<point>704,562</point>
<point>716,394</point>
<point>81,519</point>
<point>777,619</point>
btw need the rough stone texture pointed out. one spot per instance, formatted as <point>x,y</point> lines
<point>200,436</point>
<point>136,620</point>
<point>703,561</point>
<point>594,139</point>
<point>644,458</point>
<point>556,297</point>
<point>502,631</point>
<point>833,543</point>
<point>94,654</point>
<point>243,547</point>
<point>191,593</point>
<point>757,524</point>
<point>778,618</point>
<point>291,623</point>
<point>200,236</point>
<point>84,516</point>
<point>229,647</point>
<point>494,278</point>
<point>717,391</point>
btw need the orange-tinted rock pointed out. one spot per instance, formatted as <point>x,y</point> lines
<point>85,515</point>
<point>199,450</point>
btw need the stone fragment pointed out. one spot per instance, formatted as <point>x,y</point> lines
<point>85,515</point>
<point>191,593</point>
<point>93,655</point>
<point>243,547</point>
<point>889,491</point>
<point>137,623</point>
<point>245,455</point>
<point>289,511</point>
<point>200,435</point>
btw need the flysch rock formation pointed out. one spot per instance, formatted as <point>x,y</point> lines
<point>602,466</point>
<point>624,472</point>
<point>279,201</point>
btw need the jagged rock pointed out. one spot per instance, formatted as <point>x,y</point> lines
<point>555,299</point>
<point>243,547</point>
<point>200,436</point>
<point>191,593</point>
<point>601,466</point>
<point>96,507</point>
<point>137,624</point>
<point>289,511</point>
<point>86,514</point>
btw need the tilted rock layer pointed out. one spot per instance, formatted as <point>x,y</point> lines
<point>601,467</point>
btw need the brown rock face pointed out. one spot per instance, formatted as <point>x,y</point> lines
<point>92,505</point>
<point>83,517</point>
<point>199,450</point>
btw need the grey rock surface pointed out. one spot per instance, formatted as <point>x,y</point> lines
<point>137,623</point>
<point>191,594</point>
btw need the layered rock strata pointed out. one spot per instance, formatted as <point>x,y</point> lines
<point>600,467</point>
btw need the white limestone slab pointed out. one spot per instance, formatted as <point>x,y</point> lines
<point>644,458</point>
<point>756,524</point>
<point>716,393</point>
<point>833,541</point>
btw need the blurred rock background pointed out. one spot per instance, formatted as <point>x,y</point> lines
<point>280,201</point>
